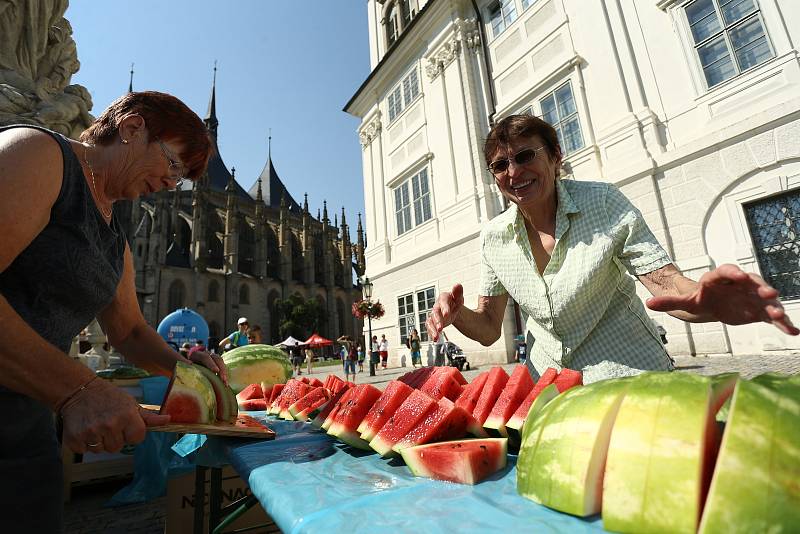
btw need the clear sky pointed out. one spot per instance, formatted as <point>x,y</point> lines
<point>288,66</point>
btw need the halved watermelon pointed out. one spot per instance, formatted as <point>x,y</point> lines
<point>465,461</point>
<point>446,422</point>
<point>318,419</point>
<point>413,410</point>
<point>391,399</point>
<point>351,413</point>
<point>491,392</point>
<point>315,398</point>
<point>227,408</point>
<point>190,398</point>
<point>517,388</point>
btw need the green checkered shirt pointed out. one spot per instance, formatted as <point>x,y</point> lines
<point>583,312</point>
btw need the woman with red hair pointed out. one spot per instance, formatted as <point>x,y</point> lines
<point>65,261</point>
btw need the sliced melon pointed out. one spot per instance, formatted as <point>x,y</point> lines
<point>190,398</point>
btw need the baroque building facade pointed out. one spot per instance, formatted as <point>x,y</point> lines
<point>690,107</point>
<point>226,252</point>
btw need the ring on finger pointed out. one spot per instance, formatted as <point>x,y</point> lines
<point>92,444</point>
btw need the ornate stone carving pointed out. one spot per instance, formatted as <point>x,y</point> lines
<point>370,131</point>
<point>37,60</point>
<point>465,33</point>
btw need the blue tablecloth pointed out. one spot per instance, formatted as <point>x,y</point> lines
<point>309,482</point>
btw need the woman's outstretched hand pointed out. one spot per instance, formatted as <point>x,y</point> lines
<point>731,296</point>
<point>445,311</point>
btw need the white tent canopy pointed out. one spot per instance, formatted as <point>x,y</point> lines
<point>291,342</point>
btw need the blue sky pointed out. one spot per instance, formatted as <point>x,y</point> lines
<point>287,66</point>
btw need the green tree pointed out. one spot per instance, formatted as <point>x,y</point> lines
<point>299,317</point>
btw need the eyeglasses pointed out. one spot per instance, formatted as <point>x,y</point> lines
<point>176,169</point>
<point>523,157</point>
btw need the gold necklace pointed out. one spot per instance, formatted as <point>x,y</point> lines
<point>94,188</point>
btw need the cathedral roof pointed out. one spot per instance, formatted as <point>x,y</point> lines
<point>272,189</point>
<point>218,173</point>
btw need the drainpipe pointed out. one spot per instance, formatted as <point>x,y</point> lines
<point>486,56</point>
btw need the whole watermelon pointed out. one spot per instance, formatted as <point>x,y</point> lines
<point>254,364</point>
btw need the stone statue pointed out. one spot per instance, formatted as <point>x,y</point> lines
<point>37,60</point>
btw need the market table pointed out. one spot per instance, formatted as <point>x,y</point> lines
<point>307,481</point>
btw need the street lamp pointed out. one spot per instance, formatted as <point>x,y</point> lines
<point>366,286</point>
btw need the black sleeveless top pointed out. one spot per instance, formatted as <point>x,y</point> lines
<point>70,271</point>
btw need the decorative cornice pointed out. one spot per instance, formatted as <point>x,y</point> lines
<point>370,130</point>
<point>464,34</point>
<point>664,5</point>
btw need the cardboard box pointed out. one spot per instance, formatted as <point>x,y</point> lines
<point>181,504</point>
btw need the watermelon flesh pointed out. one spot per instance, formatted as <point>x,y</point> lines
<point>446,422</point>
<point>190,398</point>
<point>327,408</point>
<point>315,398</point>
<point>442,385</point>
<point>253,391</point>
<point>351,413</point>
<point>253,405</point>
<point>274,393</point>
<point>465,462</point>
<point>316,382</point>
<point>515,422</point>
<point>495,383</point>
<point>517,388</point>
<point>568,378</point>
<point>390,400</point>
<point>290,396</point>
<point>413,410</point>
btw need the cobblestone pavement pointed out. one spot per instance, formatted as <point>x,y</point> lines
<point>85,513</point>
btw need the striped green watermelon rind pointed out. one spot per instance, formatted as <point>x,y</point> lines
<point>190,398</point>
<point>390,400</point>
<point>515,425</point>
<point>413,410</point>
<point>461,461</point>
<point>253,364</point>
<point>447,422</point>
<point>318,419</point>
<point>517,388</point>
<point>350,415</point>
<point>655,454</point>
<point>227,405</point>
<point>755,482</point>
<point>564,469</point>
<point>315,398</point>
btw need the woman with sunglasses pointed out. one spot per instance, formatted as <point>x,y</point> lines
<point>64,261</point>
<point>564,251</point>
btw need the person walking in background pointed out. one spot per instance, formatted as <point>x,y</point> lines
<point>374,356</point>
<point>296,355</point>
<point>238,338</point>
<point>383,350</point>
<point>350,363</point>
<point>415,345</point>
<point>255,335</point>
<point>360,351</point>
<point>309,359</point>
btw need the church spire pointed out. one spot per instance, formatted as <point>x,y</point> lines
<point>211,117</point>
<point>305,202</point>
<point>259,196</point>
<point>130,84</point>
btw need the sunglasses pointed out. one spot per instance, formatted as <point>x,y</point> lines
<point>523,157</point>
<point>176,169</point>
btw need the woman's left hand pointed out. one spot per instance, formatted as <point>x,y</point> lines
<point>212,361</point>
<point>731,296</point>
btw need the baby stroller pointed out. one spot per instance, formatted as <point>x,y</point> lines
<point>455,357</point>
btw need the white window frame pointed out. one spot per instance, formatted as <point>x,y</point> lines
<point>506,19</point>
<point>562,120</point>
<point>416,316</point>
<point>403,95</point>
<point>413,201</point>
<point>692,46</point>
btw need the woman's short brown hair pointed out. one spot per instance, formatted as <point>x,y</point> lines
<point>166,117</point>
<point>520,126</point>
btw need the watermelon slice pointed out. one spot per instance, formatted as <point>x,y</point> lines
<point>303,379</point>
<point>227,408</point>
<point>514,424</point>
<point>466,461</point>
<point>315,398</point>
<point>315,382</point>
<point>253,391</point>
<point>755,484</point>
<point>253,405</point>
<point>446,422</point>
<point>318,419</point>
<point>568,378</point>
<point>274,406</point>
<point>515,432</point>
<point>291,394</point>
<point>274,393</point>
<point>495,383</point>
<point>266,388</point>
<point>391,399</point>
<point>413,410</point>
<point>517,388</point>
<point>351,413</point>
<point>190,398</point>
<point>442,384</point>
<point>563,453</point>
<point>336,384</point>
<point>416,378</point>
<point>338,406</point>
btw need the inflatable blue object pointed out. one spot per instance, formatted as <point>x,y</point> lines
<point>183,326</point>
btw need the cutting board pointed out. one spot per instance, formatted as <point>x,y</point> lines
<point>244,427</point>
